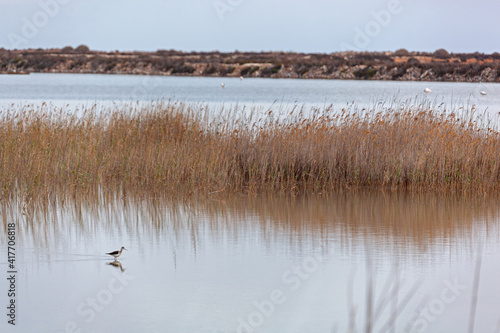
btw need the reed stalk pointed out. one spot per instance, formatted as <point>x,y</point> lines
<point>170,149</point>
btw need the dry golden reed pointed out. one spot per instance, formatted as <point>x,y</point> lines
<point>169,149</point>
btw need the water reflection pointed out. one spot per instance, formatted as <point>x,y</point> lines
<point>117,264</point>
<point>399,223</point>
<point>344,260</point>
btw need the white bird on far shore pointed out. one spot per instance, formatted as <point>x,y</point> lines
<point>483,93</point>
<point>223,85</point>
<point>427,90</point>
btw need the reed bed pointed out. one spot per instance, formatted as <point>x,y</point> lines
<point>171,149</point>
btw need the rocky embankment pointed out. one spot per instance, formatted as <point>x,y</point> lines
<point>399,65</point>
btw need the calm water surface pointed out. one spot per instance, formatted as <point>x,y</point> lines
<point>258,264</point>
<point>337,263</point>
<point>78,89</point>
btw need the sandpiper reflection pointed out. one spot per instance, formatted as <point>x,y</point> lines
<point>116,263</point>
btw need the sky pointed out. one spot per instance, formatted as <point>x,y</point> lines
<point>322,26</point>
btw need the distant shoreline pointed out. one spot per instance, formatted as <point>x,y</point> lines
<point>396,66</point>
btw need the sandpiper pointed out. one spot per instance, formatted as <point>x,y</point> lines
<point>116,254</point>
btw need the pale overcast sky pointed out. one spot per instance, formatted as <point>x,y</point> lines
<point>253,25</point>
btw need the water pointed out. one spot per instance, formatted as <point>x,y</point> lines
<point>252,264</point>
<point>269,264</point>
<point>86,89</point>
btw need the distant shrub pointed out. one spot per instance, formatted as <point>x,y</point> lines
<point>210,69</point>
<point>402,53</point>
<point>249,70</point>
<point>441,69</point>
<point>400,71</point>
<point>413,61</point>
<point>183,69</point>
<point>162,52</point>
<point>244,71</point>
<point>441,54</point>
<point>111,66</point>
<point>302,68</point>
<point>226,70</point>
<point>268,71</point>
<point>82,49</point>
<point>365,73</point>
<point>67,49</point>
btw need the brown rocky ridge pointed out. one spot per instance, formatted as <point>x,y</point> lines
<point>400,65</point>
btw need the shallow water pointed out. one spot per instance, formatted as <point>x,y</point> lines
<point>87,89</point>
<point>251,264</point>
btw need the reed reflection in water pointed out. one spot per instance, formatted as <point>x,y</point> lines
<point>203,265</point>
